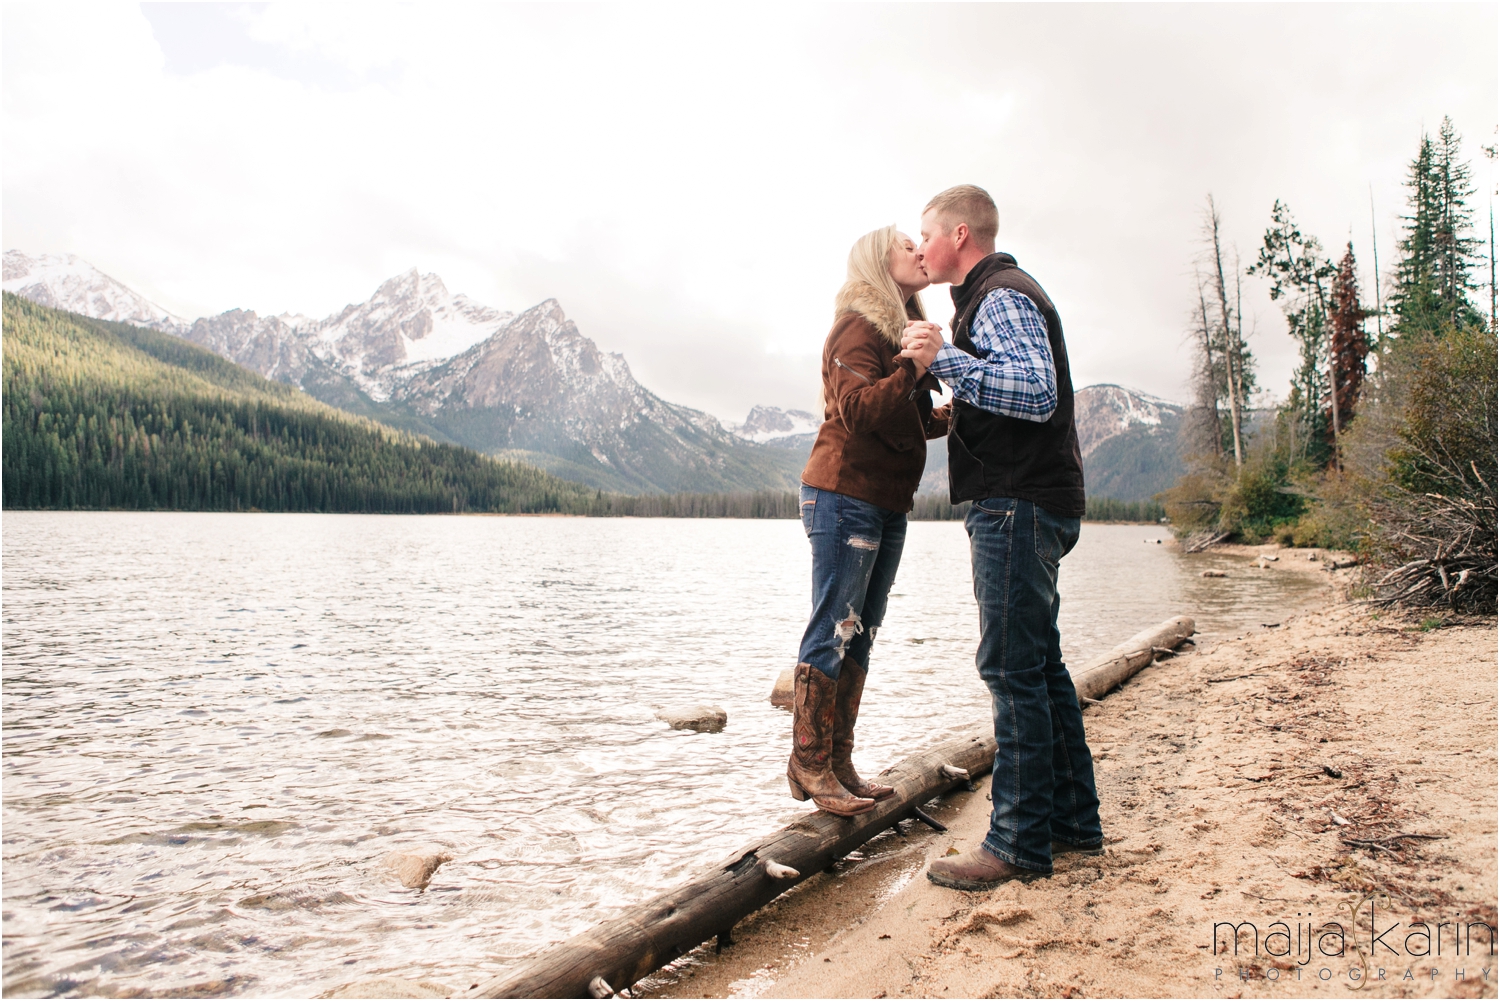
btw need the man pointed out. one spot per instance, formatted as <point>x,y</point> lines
<point>1013,452</point>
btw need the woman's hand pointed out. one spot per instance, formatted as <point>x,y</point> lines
<point>921,343</point>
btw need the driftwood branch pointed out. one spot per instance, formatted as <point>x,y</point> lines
<point>1199,541</point>
<point>929,820</point>
<point>648,936</point>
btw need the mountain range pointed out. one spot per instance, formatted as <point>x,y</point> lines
<point>531,387</point>
<point>1129,442</point>
<point>525,386</point>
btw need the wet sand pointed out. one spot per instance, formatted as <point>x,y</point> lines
<point>1266,780</point>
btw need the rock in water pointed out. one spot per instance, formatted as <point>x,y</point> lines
<point>1214,573</point>
<point>414,866</point>
<point>392,987</point>
<point>704,719</point>
<point>781,693</point>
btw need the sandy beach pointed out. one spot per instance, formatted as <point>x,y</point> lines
<point>1294,785</point>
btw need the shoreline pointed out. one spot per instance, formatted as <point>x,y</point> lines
<point>1231,781</point>
<point>491,514</point>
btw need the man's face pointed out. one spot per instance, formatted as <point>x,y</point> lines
<point>939,255</point>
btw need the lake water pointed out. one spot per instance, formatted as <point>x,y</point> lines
<point>216,726</point>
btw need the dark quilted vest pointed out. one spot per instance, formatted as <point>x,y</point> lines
<point>992,455</point>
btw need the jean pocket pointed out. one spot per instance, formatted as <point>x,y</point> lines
<point>808,509</point>
<point>1053,537</point>
<point>999,507</point>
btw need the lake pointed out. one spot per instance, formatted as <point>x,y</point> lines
<point>216,725</point>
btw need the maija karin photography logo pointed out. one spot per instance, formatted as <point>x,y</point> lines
<point>1368,945</point>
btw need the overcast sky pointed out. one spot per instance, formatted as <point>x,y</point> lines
<point>687,181</point>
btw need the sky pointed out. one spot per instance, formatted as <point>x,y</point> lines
<point>687,180</point>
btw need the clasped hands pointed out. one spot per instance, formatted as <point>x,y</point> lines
<point>921,343</point>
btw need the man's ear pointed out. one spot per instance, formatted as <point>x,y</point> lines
<point>960,235</point>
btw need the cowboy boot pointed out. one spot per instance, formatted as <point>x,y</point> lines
<point>977,869</point>
<point>807,771</point>
<point>845,713</point>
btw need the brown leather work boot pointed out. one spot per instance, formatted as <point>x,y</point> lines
<point>845,713</point>
<point>808,771</point>
<point>977,869</point>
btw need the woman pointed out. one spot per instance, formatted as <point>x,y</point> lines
<point>857,488</point>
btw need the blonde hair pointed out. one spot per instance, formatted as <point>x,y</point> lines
<point>971,205</point>
<point>870,290</point>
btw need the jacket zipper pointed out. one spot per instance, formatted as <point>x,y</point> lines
<point>912,396</point>
<point>846,368</point>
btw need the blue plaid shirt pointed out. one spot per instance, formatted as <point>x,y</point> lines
<point>1013,374</point>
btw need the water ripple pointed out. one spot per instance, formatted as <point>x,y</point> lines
<point>216,726</point>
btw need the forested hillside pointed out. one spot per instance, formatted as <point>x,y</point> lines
<point>105,415</point>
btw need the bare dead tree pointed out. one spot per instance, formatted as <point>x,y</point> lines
<point>1231,343</point>
<point>1205,431</point>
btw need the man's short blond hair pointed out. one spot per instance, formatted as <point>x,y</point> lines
<point>971,205</point>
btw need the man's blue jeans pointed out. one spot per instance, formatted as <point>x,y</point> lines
<point>856,548</point>
<point>1043,782</point>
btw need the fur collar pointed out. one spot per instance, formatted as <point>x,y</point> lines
<point>859,298</point>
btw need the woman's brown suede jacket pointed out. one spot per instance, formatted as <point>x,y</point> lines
<point>876,419</point>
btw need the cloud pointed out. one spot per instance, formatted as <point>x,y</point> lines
<point>687,181</point>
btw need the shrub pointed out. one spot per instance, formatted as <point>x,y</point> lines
<point>1424,453</point>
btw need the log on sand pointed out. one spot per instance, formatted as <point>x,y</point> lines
<point>617,953</point>
<point>1108,670</point>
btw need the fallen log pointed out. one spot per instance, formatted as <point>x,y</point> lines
<point>1110,669</point>
<point>621,951</point>
<point>1199,541</point>
<point>617,953</point>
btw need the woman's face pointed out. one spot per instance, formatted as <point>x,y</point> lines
<point>906,266</point>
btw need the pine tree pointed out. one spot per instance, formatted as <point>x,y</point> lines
<point>1350,344</point>
<point>1434,277</point>
<point>1300,275</point>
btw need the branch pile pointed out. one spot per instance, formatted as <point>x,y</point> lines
<point>1449,548</point>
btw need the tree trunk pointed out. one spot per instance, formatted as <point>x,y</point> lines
<point>1232,344</point>
<point>1207,388</point>
<point>646,937</point>
<point>619,952</point>
<point>1108,670</point>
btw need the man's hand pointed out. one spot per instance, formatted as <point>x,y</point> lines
<point>921,343</point>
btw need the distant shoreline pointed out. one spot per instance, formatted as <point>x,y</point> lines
<point>490,514</point>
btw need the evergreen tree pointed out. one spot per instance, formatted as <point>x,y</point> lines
<point>104,415</point>
<point>1434,277</point>
<point>1300,277</point>
<point>1350,344</point>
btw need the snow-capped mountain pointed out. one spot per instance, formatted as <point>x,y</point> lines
<point>534,387</point>
<point>768,424</point>
<point>419,357</point>
<point>1104,411</point>
<point>411,319</point>
<point>411,323</point>
<point>1128,439</point>
<point>62,281</point>
<point>1129,442</point>
<point>541,390</point>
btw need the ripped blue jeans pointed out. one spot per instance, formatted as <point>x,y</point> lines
<point>856,548</point>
